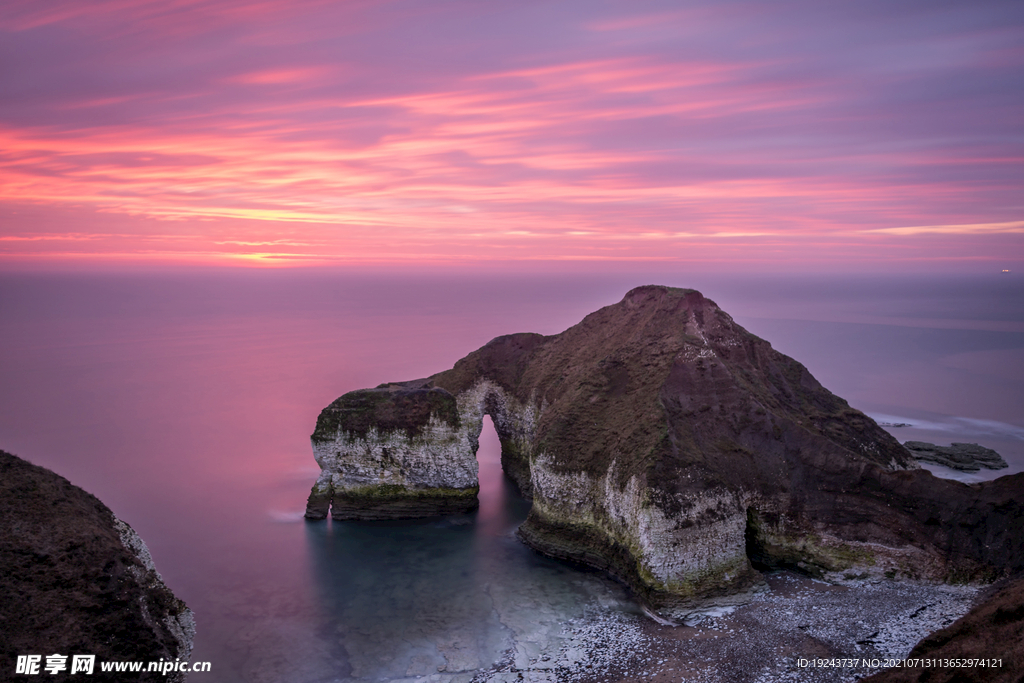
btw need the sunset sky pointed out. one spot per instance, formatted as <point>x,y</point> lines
<point>810,134</point>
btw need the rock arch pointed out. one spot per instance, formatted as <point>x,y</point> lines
<point>406,449</point>
<point>662,442</point>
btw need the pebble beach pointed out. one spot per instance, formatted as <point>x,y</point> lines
<point>773,638</point>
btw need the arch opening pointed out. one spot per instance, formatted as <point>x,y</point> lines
<point>501,508</point>
<point>488,457</point>
<point>512,433</point>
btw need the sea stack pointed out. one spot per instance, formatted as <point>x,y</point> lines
<point>397,451</point>
<point>76,580</point>
<point>662,442</point>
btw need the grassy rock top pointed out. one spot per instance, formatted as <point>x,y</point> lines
<point>665,382</point>
<point>388,408</point>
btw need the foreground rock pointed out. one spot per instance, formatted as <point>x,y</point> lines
<point>966,457</point>
<point>662,442</point>
<point>994,630</point>
<point>74,579</point>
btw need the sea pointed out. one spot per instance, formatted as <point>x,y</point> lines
<point>185,399</point>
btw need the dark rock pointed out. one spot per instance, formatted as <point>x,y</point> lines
<point>664,443</point>
<point>967,457</point>
<point>74,579</point>
<point>993,630</point>
<point>387,408</point>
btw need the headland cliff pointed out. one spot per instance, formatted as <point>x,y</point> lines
<point>663,443</point>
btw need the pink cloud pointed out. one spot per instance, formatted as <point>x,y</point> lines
<point>272,131</point>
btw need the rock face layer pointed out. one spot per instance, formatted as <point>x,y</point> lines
<point>662,442</point>
<point>74,579</point>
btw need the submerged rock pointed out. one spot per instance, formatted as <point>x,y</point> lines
<point>662,442</point>
<point>76,580</point>
<point>967,457</point>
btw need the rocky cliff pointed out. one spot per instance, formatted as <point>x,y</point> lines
<point>76,580</point>
<point>662,442</point>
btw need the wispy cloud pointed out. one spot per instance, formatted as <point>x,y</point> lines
<point>271,130</point>
<point>1016,227</point>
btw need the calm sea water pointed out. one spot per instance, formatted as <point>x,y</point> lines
<point>185,401</point>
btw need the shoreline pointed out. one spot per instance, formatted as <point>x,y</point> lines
<point>758,642</point>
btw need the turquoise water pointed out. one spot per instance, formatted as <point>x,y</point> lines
<point>185,401</point>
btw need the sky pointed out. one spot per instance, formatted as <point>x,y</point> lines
<point>464,134</point>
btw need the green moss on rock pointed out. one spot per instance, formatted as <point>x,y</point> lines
<point>390,501</point>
